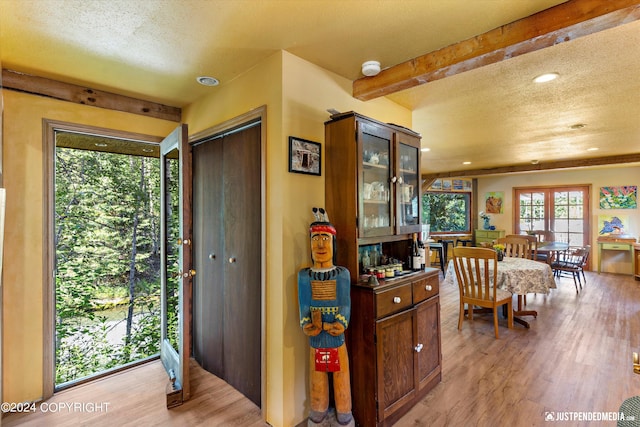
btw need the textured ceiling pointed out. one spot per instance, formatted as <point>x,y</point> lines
<point>492,116</point>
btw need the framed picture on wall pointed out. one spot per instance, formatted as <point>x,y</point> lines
<point>623,197</point>
<point>304,156</point>
<point>494,202</point>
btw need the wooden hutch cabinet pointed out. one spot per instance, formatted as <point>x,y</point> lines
<point>373,198</point>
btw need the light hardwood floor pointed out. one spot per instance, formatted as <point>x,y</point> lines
<point>576,357</point>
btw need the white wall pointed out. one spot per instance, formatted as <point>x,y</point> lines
<point>613,261</point>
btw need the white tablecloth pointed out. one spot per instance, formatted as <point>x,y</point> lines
<point>517,275</point>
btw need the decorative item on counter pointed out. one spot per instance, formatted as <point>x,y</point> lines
<point>499,248</point>
<point>324,298</point>
<point>487,220</point>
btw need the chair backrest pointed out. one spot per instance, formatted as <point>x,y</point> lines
<point>476,272</point>
<point>517,247</point>
<point>575,257</point>
<point>533,243</point>
<point>544,235</point>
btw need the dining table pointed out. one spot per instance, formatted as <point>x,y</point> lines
<point>520,276</point>
<point>551,249</point>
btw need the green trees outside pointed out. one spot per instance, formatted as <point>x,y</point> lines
<point>446,211</point>
<point>107,219</point>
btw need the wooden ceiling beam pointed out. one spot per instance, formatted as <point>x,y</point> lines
<point>561,23</point>
<point>561,164</point>
<point>83,95</point>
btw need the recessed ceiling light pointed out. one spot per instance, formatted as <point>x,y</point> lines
<point>593,149</point>
<point>425,149</point>
<point>207,81</point>
<point>547,77</point>
<point>100,144</point>
<point>466,163</point>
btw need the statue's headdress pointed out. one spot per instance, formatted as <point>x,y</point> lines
<point>321,224</point>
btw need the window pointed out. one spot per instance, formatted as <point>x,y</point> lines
<point>447,212</point>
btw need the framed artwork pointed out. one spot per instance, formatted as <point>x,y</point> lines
<point>494,202</point>
<point>613,224</point>
<point>624,197</point>
<point>304,156</point>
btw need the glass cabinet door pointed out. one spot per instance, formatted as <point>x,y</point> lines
<point>375,192</point>
<point>408,187</point>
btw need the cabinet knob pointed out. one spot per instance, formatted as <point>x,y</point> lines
<point>397,300</point>
<point>418,348</point>
<point>232,260</point>
<point>428,288</point>
<point>400,181</point>
<point>394,179</point>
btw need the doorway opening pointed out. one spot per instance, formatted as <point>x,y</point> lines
<point>560,212</point>
<point>103,253</point>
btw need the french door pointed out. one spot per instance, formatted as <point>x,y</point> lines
<point>176,273</point>
<point>564,211</point>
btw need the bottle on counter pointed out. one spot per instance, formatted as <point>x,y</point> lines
<point>416,261</point>
<point>422,251</point>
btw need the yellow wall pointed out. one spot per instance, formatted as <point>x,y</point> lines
<point>297,95</point>
<point>23,258</point>
<point>615,261</point>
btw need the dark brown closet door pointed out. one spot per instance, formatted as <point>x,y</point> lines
<point>208,256</point>
<point>227,296</point>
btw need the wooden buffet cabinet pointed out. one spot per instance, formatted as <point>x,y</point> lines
<point>394,346</point>
<point>373,198</point>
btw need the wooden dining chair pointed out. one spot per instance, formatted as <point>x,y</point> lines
<point>477,273</point>
<point>517,247</point>
<point>533,244</point>
<point>572,261</point>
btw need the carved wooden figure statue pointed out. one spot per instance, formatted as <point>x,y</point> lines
<point>325,309</point>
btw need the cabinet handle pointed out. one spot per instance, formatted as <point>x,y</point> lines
<point>418,348</point>
<point>428,288</point>
<point>400,181</point>
<point>396,300</point>
<point>394,179</point>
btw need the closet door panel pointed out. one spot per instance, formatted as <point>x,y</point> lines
<point>209,257</point>
<point>242,225</point>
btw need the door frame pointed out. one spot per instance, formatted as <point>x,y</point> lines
<point>257,114</point>
<point>49,128</point>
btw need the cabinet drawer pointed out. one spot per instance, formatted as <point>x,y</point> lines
<point>616,246</point>
<point>392,300</point>
<point>425,288</point>
<point>482,234</point>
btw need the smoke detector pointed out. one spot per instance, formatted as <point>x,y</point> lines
<point>370,68</point>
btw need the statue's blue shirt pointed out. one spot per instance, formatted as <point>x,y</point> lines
<point>327,290</point>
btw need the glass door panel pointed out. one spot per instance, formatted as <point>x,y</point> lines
<point>175,271</point>
<point>408,186</point>
<point>532,211</point>
<point>376,217</point>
